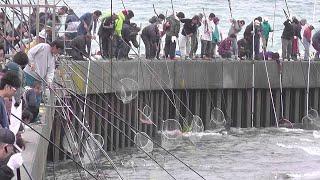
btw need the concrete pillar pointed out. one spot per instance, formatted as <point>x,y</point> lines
<point>239,108</point>
<point>268,109</point>
<point>258,109</point>
<point>296,115</point>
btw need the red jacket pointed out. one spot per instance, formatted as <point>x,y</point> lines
<point>307,34</point>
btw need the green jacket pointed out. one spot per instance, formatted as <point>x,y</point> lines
<point>174,26</point>
<point>266,29</point>
<point>119,24</point>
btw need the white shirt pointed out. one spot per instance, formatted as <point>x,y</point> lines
<point>41,56</point>
<point>206,31</point>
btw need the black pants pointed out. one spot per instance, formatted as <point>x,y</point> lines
<point>150,48</point>
<point>124,50</point>
<point>169,47</point>
<point>106,46</point>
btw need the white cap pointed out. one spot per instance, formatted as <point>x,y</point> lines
<point>265,18</point>
<point>43,34</point>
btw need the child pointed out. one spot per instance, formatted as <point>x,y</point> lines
<point>32,99</point>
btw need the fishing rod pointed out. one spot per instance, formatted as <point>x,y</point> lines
<point>229,2</point>
<point>157,143</point>
<point>79,97</point>
<point>68,120</point>
<point>64,116</point>
<point>124,7</point>
<point>132,128</point>
<point>154,10</point>
<point>206,26</point>
<point>83,126</point>
<point>274,19</point>
<point>287,7</point>
<point>56,146</point>
<point>253,73</point>
<point>172,7</point>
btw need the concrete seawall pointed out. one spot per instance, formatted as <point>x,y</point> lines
<point>35,154</point>
<point>155,75</point>
<point>176,89</point>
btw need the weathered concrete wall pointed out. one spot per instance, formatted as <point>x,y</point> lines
<point>158,75</point>
<point>35,154</point>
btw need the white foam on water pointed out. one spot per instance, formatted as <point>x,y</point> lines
<point>311,150</point>
<point>290,130</point>
<point>316,134</point>
<point>309,176</point>
<point>305,139</point>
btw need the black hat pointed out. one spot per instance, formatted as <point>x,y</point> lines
<point>6,136</point>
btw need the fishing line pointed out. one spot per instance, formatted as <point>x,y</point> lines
<point>68,120</point>
<point>270,90</point>
<point>56,146</point>
<point>132,128</point>
<point>117,128</point>
<point>85,128</point>
<point>153,72</point>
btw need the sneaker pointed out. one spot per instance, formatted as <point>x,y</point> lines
<point>187,58</point>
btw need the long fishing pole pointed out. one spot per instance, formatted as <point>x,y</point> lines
<point>229,2</point>
<point>154,10</point>
<point>85,128</point>
<point>133,128</point>
<point>117,128</point>
<point>252,88</point>
<point>148,67</point>
<point>274,19</point>
<point>56,146</point>
<point>146,137</point>
<point>287,8</point>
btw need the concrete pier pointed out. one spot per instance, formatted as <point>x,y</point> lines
<point>176,89</point>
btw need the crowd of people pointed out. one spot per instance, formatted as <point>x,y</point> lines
<point>25,71</point>
<point>171,37</point>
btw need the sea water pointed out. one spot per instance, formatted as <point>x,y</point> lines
<point>258,154</point>
<point>241,9</point>
<point>239,154</point>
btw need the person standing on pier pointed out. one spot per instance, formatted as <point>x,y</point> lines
<point>216,37</point>
<point>236,26</point>
<point>287,39</point>
<point>206,36</point>
<point>189,28</point>
<point>123,17</point>
<point>172,28</point>
<point>105,33</point>
<point>88,21</point>
<point>316,44</point>
<point>266,29</point>
<point>42,62</point>
<point>296,37</point>
<point>150,37</point>
<point>306,40</point>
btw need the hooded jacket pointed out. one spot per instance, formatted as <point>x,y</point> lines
<point>119,24</point>
<point>288,30</point>
<point>266,29</point>
<point>174,28</point>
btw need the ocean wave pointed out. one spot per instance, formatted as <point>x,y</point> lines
<point>311,150</point>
